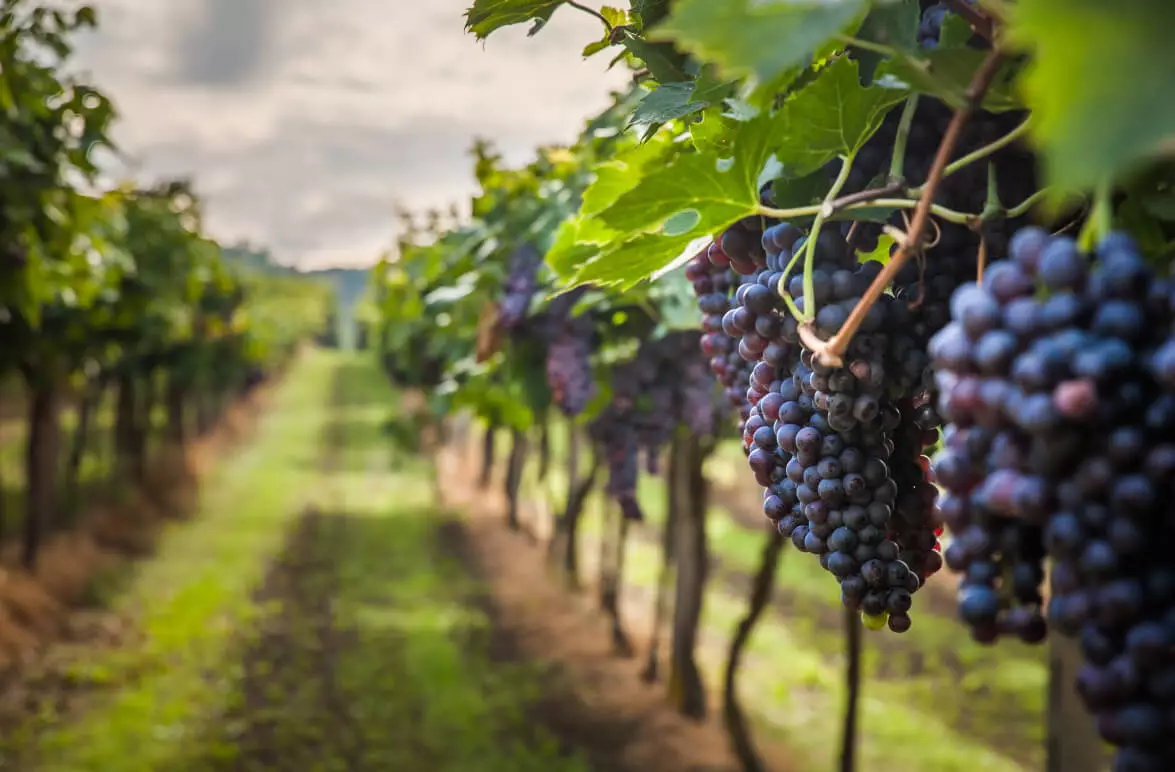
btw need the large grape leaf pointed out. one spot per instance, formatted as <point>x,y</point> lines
<point>486,16</point>
<point>718,190</point>
<point>761,38</point>
<point>1101,84</point>
<point>615,177</point>
<point>672,206</point>
<point>832,116</point>
<point>712,134</point>
<point>631,262</point>
<point>576,242</point>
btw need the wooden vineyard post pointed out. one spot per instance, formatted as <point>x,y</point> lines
<point>1073,743</point>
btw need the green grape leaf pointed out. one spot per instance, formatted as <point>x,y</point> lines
<point>677,205</point>
<point>487,16</point>
<point>615,177</point>
<point>946,73</point>
<point>615,18</point>
<point>759,38</point>
<point>672,101</point>
<point>591,49</point>
<point>891,24</point>
<point>649,11</point>
<point>956,32</point>
<point>667,102</point>
<point>831,116</point>
<point>881,255</point>
<point>1100,84</point>
<point>764,95</point>
<point>712,134</point>
<point>632,261</point>
<point>576,242</point>
<point>661,60</point>
<point>710,88</point>
<point>720,191</point>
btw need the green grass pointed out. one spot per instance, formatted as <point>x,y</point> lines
<point>367,650</point>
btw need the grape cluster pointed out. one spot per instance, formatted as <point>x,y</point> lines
<point>882,405</point>
<point>880,536</point>
<point>520,286</point>
<point>569,367</point>
<point>1062,443</point>
<point>714,284</point>
<point>665,385</point>
<point>839,460</point>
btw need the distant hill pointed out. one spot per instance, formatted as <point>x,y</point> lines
<point>349,283</point>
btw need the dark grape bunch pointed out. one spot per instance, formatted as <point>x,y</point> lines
<point>569,367</point>
<point>1062,443</point>
<point>714,284</point>
<point>520,286</point>
<point>821,442</point>
<point>856,491</point>
<point>664,386</point>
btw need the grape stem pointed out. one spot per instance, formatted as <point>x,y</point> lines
<point>979,21</point>
<point>593,12</point>
<point>1028,203</point>
<point>832,352</point>
<point>866,199</point>
<point>898,162</point>
<point>892,189</point>
<point>993,205</point>
<point>941,212</point>
<point>810,245</point>
<point>820,212</point>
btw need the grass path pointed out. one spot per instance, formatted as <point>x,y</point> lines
<point>313,616</point>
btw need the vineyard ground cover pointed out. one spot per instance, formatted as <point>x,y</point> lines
<point>137,704</point>
<point>334,620</point>
<point>372,650</point>
<point>988,703</point>
<point>89,554</point>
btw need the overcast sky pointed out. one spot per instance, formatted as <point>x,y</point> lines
<point>303,121</point>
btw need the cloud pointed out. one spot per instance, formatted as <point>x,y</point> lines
<point>303,122</point>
